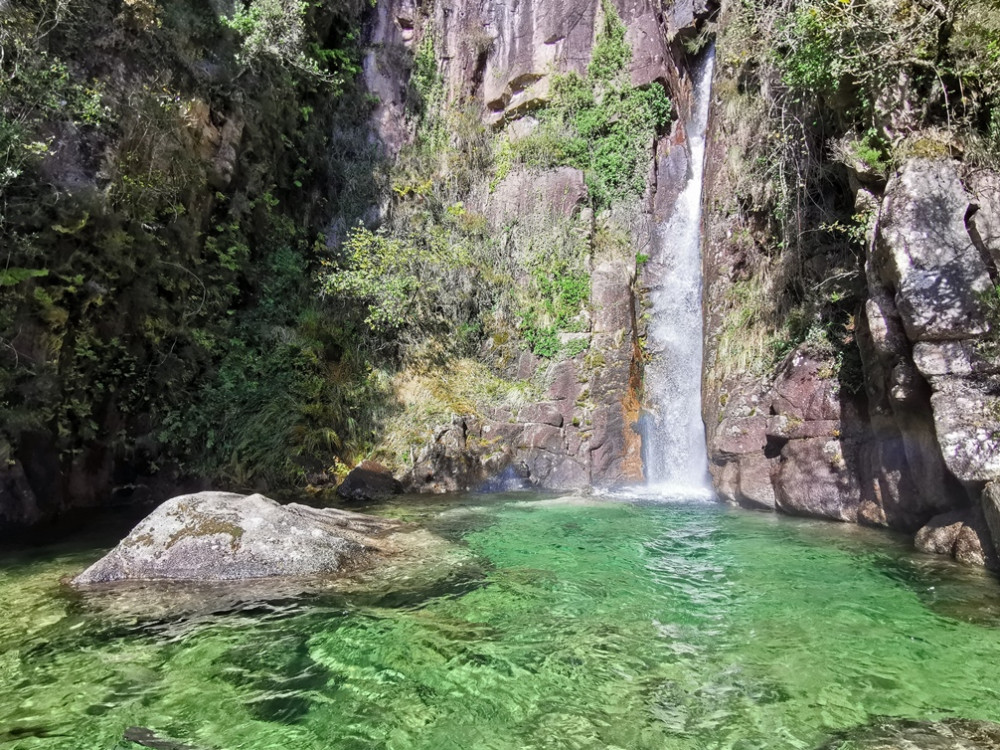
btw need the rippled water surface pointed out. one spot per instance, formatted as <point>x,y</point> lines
<point>575,625</point>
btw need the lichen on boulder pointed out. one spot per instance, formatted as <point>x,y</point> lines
<point>220,536</point>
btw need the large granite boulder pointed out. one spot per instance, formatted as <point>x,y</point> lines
<point>924,252</point>
<point>936,263</point>
<point>814,478</point>
<point>221,536</point>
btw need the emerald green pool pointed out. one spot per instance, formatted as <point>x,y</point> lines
<point>576,625</point>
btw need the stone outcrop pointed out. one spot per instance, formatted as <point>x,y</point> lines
<point>916,448</point>
<point>962,534</point>
<point>926,278</point>
<point>793,447</point>
<point>219,536</point>
<point>369,481</point>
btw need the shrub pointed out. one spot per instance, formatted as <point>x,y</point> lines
<point>599,123</point>
<point>278,29</point>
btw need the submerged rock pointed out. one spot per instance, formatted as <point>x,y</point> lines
<point>149,738</point>
<point>904,734</point>
<point>963,534</point>
<point>220,536</point>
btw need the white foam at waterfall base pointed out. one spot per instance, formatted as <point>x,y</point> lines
<point>674,453</point>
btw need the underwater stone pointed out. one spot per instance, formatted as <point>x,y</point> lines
<point>903,734</point>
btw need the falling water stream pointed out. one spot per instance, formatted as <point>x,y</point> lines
<point>674,450</point>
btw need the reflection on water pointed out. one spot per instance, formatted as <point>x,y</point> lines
<point>579,624</point>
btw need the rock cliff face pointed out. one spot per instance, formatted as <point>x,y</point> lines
<point>918,445</point>
<point>500,59</point>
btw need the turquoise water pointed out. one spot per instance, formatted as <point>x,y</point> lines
<point>593,625</point>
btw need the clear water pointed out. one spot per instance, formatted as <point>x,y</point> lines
<point>674,453</point>
<point>605,624</point>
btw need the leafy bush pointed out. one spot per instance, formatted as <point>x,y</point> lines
<point>884,56</point>
<point>553,302</point>
<point>398,280</point>
<point>279,29</point>
<point>599,123</point>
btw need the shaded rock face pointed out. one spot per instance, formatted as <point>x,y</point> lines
<point>794,447</point>
<point>914,450</point>
<point>502,58</point>
<point>18,504</point>
<point>367,482</point>
<point>219,536</point>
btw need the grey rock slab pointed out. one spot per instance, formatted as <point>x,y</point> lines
<point>610,295</point>
<point>541,413</point>
<point>543,437</point>
<point>935,358</point>
<point>805,389</point>
<point>551,194</point>
<point>814,478</point>
<point>924,251</point>
<point>968,429</point>
<point>755,488</point>
<point>220,536</point>
<point>739,435</point>
<point>568,473</point>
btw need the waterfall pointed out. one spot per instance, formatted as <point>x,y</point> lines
<point>674,453</point>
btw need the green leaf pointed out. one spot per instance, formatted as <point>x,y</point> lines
<point>14,276</point>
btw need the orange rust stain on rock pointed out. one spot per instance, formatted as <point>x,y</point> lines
<point>632,405</point>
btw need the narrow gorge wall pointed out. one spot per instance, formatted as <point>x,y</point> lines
<point>499,61</point>
<point>871,397</point>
